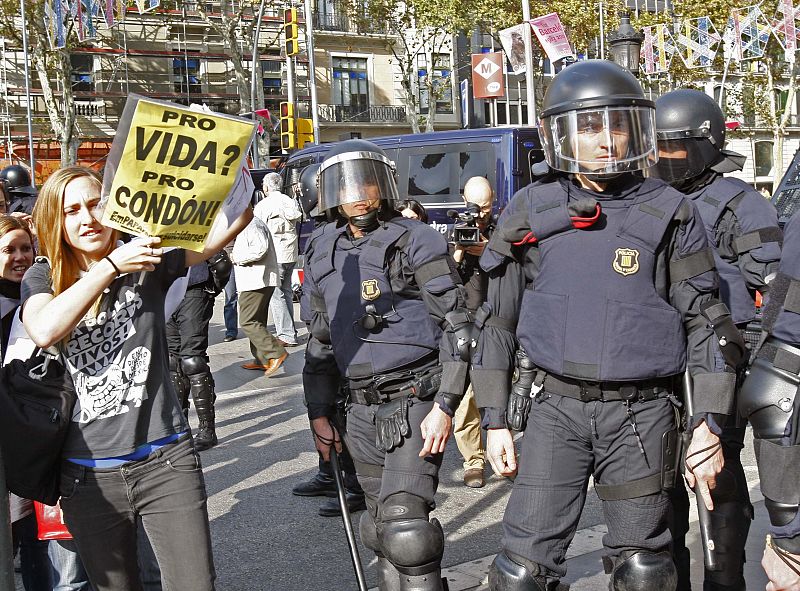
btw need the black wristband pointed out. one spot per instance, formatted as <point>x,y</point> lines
<point>116,269</point>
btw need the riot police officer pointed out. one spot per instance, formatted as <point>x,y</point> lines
<point>382,290</point>
<point>595,273</point>
<point>187,339</point>
<point>323,483</point>
<point>768,399</point>
<point>18,183</point>
<point>742,228</point>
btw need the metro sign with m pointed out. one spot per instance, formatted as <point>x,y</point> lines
<point>487,75</point>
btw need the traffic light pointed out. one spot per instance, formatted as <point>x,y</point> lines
<point>288,127</point>
<point>290,29</point>
<point>305,131</point>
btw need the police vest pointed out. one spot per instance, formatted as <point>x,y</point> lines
<point>733,194</point>
<point>351,276</point>
<point>592,311</point>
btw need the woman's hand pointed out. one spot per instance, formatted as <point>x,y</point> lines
<point>138,255</point>
<point>435,429</point>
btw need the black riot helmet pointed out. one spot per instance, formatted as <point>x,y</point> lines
<point>690,128</point>
<point>596,120</point>
<point>307,190</point>
<point>17,180</point>
<point>357,170</point>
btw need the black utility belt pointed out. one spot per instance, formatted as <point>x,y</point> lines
<point>388,388</point>
<point>609,391</point>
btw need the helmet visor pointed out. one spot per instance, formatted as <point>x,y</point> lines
<point>603,140</point>
<point>679,159</point>
<point>356,176</point>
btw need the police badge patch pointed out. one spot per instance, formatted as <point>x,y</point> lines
<point>626,261</point>
<point>370,290</point>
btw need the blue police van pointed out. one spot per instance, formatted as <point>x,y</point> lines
<point>433,167</point>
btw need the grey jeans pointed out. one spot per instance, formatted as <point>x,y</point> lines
<point>281,306</point>
<point>167,491</point>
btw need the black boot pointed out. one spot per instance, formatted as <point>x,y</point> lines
<point>355,502</point>
<point>180,383</point>
<point>322,485</point>
<point>202,388</point>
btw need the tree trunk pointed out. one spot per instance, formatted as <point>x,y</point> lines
<point>61,112</point>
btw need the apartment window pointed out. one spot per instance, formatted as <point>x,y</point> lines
<point>441,83</point>
<point>271,78</point>
<point>82,72</point>
<point>350,82</point>
<point>717,91</point>
<point>763,158</point>
<point>186,75</point>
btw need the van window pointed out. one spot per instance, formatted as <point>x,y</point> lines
<point>436,175</point>
<point>291,174</point>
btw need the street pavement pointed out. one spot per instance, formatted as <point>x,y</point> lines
<point>266,539</point>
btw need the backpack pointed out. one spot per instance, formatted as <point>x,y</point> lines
<point>252,244</point>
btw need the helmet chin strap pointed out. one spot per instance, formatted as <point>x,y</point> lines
<point>366,222</point>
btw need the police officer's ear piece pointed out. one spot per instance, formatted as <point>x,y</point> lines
<point>371,319</point>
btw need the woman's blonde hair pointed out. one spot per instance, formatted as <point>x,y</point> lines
<point>9,223</point>
<point>48,217</point>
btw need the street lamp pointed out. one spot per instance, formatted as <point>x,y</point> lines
<point>625,44</point>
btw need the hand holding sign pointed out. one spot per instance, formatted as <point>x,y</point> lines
<point>174,171</point>
<point>138,255</point>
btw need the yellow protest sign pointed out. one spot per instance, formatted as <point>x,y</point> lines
<point>175,170</point>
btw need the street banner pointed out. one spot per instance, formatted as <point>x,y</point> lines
<point>697,41</point>
<point>513,43</point>
<point>657,49</point>
<point>55,12</point>
<point>171,168</point>
<point>785,28</point>
<point>746,34</point>
<point>552,36</point>
<point>487,75</point>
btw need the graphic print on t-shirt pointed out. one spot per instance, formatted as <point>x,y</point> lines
<point>108,381</point>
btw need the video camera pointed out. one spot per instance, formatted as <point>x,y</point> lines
<point>466,231</point>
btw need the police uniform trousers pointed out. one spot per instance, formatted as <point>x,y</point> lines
<point>566,441</point>
<point>403,469</point>
<point>187,329</point>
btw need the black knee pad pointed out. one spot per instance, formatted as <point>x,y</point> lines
<point>518,574</point>
<point>645,571</point>
<point>194,365</point>
<point>412,543</point>
<point>368,532</point>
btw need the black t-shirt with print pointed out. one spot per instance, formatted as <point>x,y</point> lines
<point>119,363</point>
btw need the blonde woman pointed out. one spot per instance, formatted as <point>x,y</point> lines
<point>129,453</point>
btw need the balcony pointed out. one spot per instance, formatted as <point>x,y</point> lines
<point>344,23</point>
<point>91,109</point>
<point>374,114</point>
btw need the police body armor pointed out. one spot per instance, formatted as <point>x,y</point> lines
<point>711,202</point>
<point>350,276</point>
<point>629,333</point>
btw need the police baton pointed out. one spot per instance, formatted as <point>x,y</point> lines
<point>703,514</point>
<point>348,526</point>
